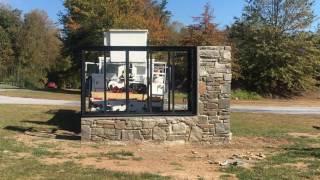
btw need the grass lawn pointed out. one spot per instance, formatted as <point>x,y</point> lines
<point>6,86</point>
<point>43,94</point>
<point>298,160</point>
<point>24,157</point>
<point>20,160</point>
<point>272,125</point>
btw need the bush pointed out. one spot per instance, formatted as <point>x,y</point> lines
<point>245,95</point>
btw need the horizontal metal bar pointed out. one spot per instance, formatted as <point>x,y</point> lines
<point>124,114</point>
<point>137,48</point>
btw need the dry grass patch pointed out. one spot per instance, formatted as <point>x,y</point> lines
<point>254,133</point>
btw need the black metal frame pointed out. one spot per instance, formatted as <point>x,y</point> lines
<point>192,72</point>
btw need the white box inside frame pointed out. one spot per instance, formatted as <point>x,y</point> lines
<point>126,37</point>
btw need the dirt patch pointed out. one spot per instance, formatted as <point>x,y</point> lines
<point>305,135</point>
<point>298,165</point>
<point>180,161</point>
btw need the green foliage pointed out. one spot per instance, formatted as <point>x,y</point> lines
<point>30,47</point>
<point>6,51</point>
<point>285,15</point>
<point>274,55</point>
<point>10,25</point>
<point>39,47</point>
<point>245,95</point>
<point>85,22</point>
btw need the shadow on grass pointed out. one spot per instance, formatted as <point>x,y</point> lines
<point>65,124</point>
<point>316,127</point>
<point>303,152</point>
<point>20,129</point>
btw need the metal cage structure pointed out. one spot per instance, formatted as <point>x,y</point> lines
<point>131,88</point>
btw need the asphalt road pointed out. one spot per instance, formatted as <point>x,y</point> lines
<point>234,108</point>
<point>32,101</point>
<point>276,109</point>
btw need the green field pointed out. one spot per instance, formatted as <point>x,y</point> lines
<point>23,161</point>
<point>298,158</point>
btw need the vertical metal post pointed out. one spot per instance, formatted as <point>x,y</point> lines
<point>148,81</point>
<point>83,85</point>
<point>151,80</point>
<point>127,81</point>
<point>194,81</point>
<point>173,84</point>
<point>169,80</point>
<point>190,79</point>
<point>104,82</point>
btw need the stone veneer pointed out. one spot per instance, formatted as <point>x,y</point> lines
<point>210,125</point>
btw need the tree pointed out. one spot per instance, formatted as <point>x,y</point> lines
<point>10,24</point>
<point>85,21</point>
<point>175,31</point>
<point>317,43</point>
<point>285,15</point>
<point>39,49</point>
<point>275,55</point>
<point>6,51</point>
<point>204,32</point>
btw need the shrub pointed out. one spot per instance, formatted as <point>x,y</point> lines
<point>245,95</point>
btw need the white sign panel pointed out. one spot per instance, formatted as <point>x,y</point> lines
<point>126,38</point>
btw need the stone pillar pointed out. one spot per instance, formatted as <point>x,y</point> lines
<point>214,84</point>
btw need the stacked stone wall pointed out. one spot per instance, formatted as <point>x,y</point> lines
<point>215,88</point>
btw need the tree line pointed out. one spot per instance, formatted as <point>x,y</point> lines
<point>30,47</point>
<point>274,51</point>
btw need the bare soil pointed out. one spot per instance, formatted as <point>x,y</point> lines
<point>180,161</point>
<point>305,135</point>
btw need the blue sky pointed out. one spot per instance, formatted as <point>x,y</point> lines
<point>224,10</point>
<point>183,10</point>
